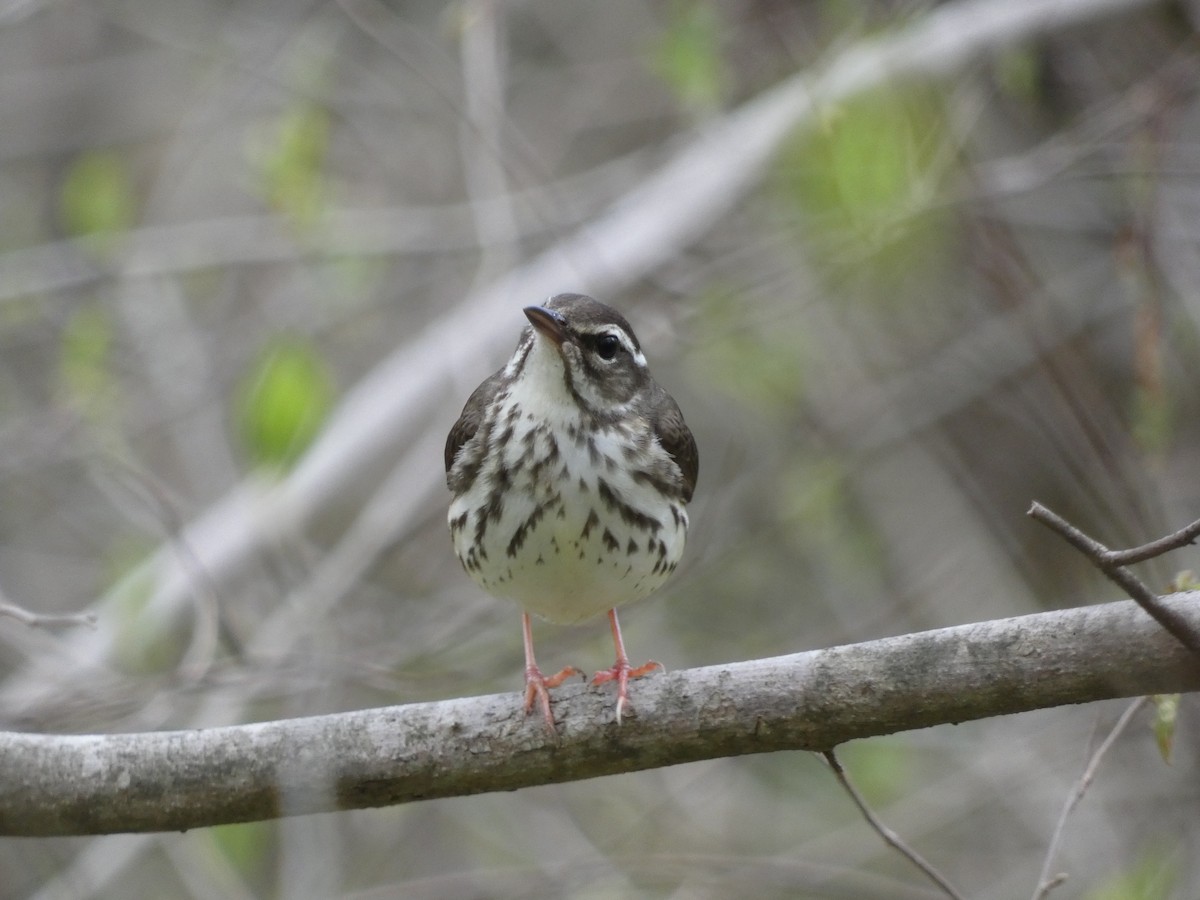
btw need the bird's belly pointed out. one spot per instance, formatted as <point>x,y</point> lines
<point>570,548</point>
<point>568,572</point>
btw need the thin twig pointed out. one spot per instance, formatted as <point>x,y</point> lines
<point>45,620</point>
<point>1182,538</point>
<point>1103,558</point>
<point>889,837</point>
<point>1046,881</point>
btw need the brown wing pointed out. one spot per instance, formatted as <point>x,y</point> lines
<point>472,415</point>
<point>676,438</point>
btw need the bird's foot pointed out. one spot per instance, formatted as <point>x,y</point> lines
<point>621,672</point>
<point>537,687</point>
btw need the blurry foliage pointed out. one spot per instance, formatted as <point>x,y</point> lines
<point>1185,580</point>
<point>248,846</point>
<point>1153,422</point>
<point>1018,74</point>
<point>85,366</point>
<point>817,509</point>
<point>97,198</point>
<point>290,164</point>
<point>1166,706</point>
<point>1151,878</point>
<point>355,279</point>
<point>814,491</point>
<point>282,402</point>
<point>864,181</point>
<point>882,769</point>
<point>140,648</point>
<point>838,17</point>
<point>18,313</point>
<point>688,56</point>
<point>761,364</point>
<point>1151,415</point>
<point>1166,714</point>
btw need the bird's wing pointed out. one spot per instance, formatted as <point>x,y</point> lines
<point>676,438</point>
<point>472,415</point>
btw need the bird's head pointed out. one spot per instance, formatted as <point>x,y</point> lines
<point>590,349</point>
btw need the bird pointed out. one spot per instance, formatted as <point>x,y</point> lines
<point>570,471</point>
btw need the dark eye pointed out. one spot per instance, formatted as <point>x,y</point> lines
<point>607,345</point>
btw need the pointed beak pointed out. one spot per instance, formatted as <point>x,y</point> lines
<point>548,323</point>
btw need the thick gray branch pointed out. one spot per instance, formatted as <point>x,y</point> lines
<point>93,784</point>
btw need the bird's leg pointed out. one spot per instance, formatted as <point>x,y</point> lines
<point>537,685</point>
<point>621,672</point>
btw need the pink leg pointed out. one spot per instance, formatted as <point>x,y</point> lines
<point>621,672</point>
<point>537,685</point>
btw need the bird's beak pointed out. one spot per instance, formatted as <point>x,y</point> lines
<point>548,322</point>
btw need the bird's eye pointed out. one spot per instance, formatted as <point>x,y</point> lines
<point>607,345</point>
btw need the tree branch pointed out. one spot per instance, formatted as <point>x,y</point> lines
<point>1112,563</point>
<point>95,784</point>
<point>1184,537</point>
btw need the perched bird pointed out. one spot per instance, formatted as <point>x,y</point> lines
<point>571,471</point>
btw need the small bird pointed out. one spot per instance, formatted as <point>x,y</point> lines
<point>571,471</point>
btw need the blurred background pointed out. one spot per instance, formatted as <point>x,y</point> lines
<point>254,257</point>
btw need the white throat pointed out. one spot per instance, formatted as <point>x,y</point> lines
<point>542,384</point>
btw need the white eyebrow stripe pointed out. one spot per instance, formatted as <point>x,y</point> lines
<point>627,343</point>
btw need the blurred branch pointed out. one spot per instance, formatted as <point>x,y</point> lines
<point>1046,881</point>
<point>889,836</point>
<point>94,784</point>
<point>42,620</point>
<point>482,51</point>
<point>179,249</point>
<point>1112,563</point>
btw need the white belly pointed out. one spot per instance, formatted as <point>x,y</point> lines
<point>575,535</point>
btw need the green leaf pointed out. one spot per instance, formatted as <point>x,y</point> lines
<point>291,164</point>
<point>283,401</point>
<point>688,58</point>
<point>97,198</point>
<point>1166,710</point>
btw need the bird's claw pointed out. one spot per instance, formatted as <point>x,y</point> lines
<point>537,687</point>
<point>621,672</point>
